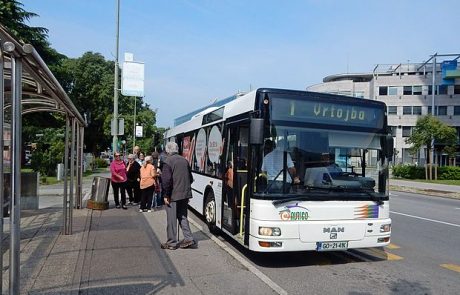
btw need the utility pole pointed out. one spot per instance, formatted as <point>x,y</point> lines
<point>115,88</point>
<point>134,123</point>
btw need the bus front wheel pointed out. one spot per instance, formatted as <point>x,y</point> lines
<point>210,212</point>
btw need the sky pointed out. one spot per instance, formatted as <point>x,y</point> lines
<point>197,51</point>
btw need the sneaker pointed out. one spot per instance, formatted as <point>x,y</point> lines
<point>167,246</point>
<point>187,244</point>
<point>130,203</point>
<point>135,204</point>
<point>141,211</point>
<point>145,210</point>
<point>117,206</point>
<point>149,210</point>
<point>124,207</point>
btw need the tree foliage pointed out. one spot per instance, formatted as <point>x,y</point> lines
<point>15,19</point>
<point>89,83</point>
<point>49,151</point>
<point>430,128</point>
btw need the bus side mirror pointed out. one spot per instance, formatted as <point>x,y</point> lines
<point>389,146</point>
<point>256,132</point>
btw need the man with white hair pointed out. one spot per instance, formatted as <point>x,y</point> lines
<point>176,181</point>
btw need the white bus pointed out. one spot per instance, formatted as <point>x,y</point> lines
<point>325,187</point>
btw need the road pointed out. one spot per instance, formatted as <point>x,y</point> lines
<point>423,258</point>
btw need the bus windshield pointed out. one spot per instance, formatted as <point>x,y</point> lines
<point>337,163</point>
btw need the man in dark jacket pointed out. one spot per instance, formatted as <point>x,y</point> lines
<point>176,181</point>
<point>132,172</point>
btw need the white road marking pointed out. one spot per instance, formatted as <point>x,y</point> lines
<point>457,208</point>
<point>243,261</point>
<point>427,219</point>
<point>393,194</point>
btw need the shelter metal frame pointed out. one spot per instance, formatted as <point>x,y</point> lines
<point>28,86</point>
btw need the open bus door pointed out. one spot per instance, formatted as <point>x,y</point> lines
<point>236,175</point>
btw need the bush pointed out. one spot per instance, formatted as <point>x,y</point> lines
<point>449,173</point>
<point>100,163</point>
<point>409,171</point>
<point>414,172</point>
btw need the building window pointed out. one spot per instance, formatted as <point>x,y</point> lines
<point>442,89</point>
<point>416,110</point>
<point>456,110</point>
<point>429,110</point>
<point>392,110</point>
<point>407,110</point>
<point>442,111</point>
<point>358,94</point>
<point>407,90</point>
<point>392,90</point>
<point>430,90</point>
<point>406,130</point>
<point>383,90</point>
<point>393,130</point>
<point>417,90</point>
<point>456,89</point>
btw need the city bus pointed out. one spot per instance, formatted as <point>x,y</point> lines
<point>324,187</point>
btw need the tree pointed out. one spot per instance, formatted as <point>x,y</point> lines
<point>429,128</point>
<point>15,19</point>
<point>88,80</point>
<point>49,151</point>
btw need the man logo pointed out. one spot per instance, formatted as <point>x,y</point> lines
<point>333,230</point>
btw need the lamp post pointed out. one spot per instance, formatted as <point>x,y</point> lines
<point>115,88</point>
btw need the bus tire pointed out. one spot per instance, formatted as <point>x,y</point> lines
<point>210,212</point>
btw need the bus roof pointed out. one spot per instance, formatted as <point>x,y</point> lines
<point>244,102</point>
<point>216,104</point>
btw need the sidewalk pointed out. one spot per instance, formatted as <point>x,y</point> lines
<point>433,189</point>
<point>118,252</point>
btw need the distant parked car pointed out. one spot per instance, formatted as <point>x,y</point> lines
<point>28,157</point>
<point>106,157</point>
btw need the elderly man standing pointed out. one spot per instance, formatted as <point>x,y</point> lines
<point>176,181</point>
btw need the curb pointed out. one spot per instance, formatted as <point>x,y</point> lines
<point>428,192</point>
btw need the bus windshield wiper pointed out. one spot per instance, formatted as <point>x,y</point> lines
<point>276,177</point>
<point>285,200</point>
<point>374,197</point>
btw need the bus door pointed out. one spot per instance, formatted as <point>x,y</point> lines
<point>235,177</point>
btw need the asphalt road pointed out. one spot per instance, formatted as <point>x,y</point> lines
<point>423,258</point>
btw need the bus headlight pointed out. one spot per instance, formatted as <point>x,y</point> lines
<point>385,228</point>
<point>269,231</point>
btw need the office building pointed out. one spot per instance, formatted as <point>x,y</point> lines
<point>407,91</point>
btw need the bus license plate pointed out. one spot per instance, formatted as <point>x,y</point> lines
<point>331,246</point>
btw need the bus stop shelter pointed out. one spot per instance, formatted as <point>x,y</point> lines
<point>28,86</point>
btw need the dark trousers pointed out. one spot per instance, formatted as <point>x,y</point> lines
<point>146,197</point>
<point>177,211</point>
<point>134,192</point>
<point>119,187</point>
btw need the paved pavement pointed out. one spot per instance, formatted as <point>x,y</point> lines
<point>117,252</point>
<point>433,189</point>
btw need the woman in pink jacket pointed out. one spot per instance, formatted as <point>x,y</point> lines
<point>118,171</point>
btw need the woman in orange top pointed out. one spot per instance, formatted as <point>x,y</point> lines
<point>147,184</point>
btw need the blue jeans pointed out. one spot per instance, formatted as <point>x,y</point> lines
<point>157,200</point>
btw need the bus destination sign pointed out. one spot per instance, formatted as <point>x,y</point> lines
<point>326,113</point>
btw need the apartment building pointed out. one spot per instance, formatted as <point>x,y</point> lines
<point>407,90</point>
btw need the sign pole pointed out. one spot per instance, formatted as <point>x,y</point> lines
<point>134,123</point>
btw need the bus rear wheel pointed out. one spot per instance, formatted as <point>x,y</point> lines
<point>210,212</point>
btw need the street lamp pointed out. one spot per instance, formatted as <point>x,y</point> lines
<point>115,88</point>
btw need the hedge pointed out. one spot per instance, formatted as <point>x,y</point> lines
<point>416,172</point>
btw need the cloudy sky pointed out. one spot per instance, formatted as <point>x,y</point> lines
<point>198,51</point>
